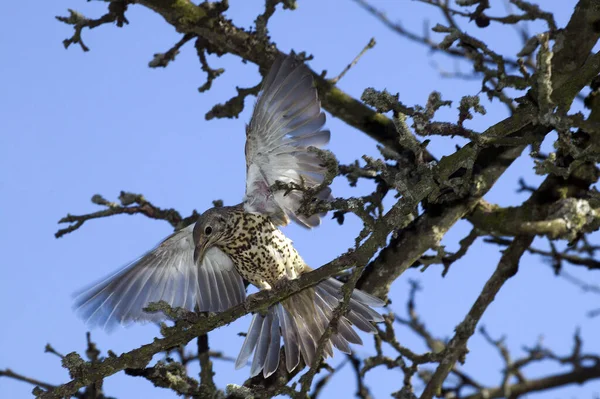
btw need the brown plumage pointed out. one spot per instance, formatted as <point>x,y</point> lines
<point>203,266</point>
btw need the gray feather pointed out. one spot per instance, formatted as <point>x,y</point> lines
<point>287,119</point>
<point>166,273</point>
<point>308,345</point>
<point>272,360</point>
<point>250,341</point>
<point>344,328</point>
<point>262,347</point>
<point>359,314</point>
<point>301,320</point>
<point>357,294</point>
<point>290,339</point>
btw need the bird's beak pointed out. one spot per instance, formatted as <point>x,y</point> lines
<point>199,251</point>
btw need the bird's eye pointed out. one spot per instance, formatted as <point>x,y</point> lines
<point>208,230</point>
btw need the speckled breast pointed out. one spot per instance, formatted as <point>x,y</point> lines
<point>261,253</point>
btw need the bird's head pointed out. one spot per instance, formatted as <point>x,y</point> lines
<point>208,231</point>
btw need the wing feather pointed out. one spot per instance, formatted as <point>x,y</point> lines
<point>287,120</point>
<point>166,273</point>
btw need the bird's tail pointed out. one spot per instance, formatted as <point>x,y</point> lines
<point>301,320</point>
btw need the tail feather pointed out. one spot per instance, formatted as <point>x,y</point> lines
<point>324,320</point>
<point>250,341</point>
<point>359,301</point>
<point>345,329</point>
<point>341,343</point>
<point>260,356</point>
<point>301,320</point>
<point>290,338</point>
<point>306,343</point>
<point>357,295</point>
<point>301,313</point>
<point>360,322</point>
<point>365,312</point>
<point>272,360</point>
<point>352,318</point>
<point>358,315</point>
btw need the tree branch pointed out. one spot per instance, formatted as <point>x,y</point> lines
<point>457,347</point>
<point>577,376</point>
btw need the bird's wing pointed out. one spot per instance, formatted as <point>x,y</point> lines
<point>166,273</point>
<point>287,119</point>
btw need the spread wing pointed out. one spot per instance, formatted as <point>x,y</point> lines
<point>166,273</point>
<point>287,119</point>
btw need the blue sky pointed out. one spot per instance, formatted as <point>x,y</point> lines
<point>76,124</point>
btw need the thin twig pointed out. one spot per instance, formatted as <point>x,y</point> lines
<point>369,45</point>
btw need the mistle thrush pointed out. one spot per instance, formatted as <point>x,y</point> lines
<point>203,266</point>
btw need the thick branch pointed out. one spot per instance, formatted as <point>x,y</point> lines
<point>226,37</point>
<point>427,230</point>
<point>563,219</point>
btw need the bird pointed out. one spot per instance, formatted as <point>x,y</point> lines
<point>204,267</point>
